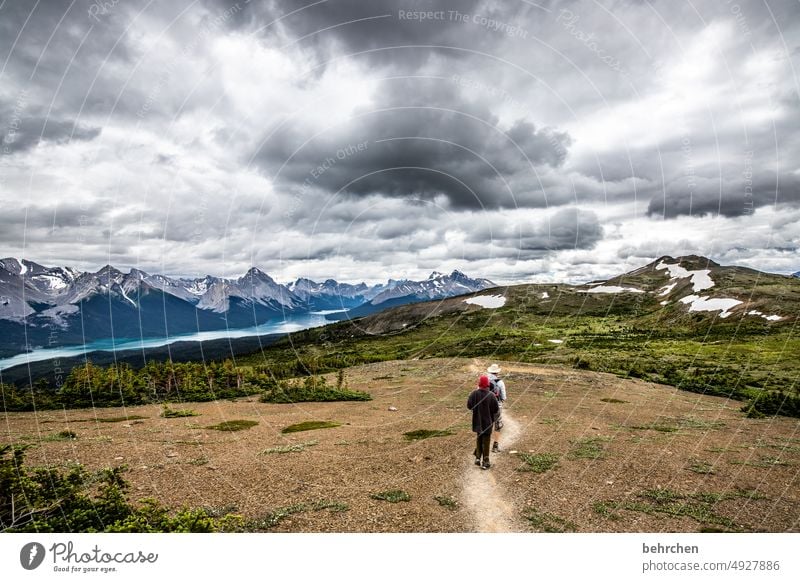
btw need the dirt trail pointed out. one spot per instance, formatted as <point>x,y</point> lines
<point>484,494</point>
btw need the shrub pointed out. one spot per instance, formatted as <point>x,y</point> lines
<point>313,389</point>
<point>294,448</point>
<point>47,500</point>
<point>122,418</point>
<point>539,463</point>
<point>446,501</point>
<point>772,403</point>
<point>310,425</point>
<point>393,496</point>
<point>580,364</point>
<point>589,448</point>
<point>233,425</point>
<point>167,412</point>
<point>420,434</point>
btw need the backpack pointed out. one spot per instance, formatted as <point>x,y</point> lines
<point>494,387</point>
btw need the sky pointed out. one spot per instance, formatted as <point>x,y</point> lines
<point>514,140</point>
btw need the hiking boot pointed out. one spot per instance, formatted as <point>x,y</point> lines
<point>478,462</point>
<point>496,447</point>
<point>486,466</point>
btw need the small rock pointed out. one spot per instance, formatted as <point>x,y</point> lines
<point>172,454</point>
<point>143,467</point>
<point>119,458</point>
<point>609,482</point>
<point>140,488</point>
<point>126,426</point>
<point>392,409</point>
<point>512,452</point>
<point>211,467</point>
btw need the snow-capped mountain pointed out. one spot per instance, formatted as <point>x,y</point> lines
<point>63,305</point>
<point>436,286</point>
<point>23,283</point>
<point>254,288</point>
<point>330,294</point>
<point>797,274</point>
<point>401,292</point>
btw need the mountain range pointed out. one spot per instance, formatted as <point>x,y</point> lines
<point>55,306</point>
<point>691,298</point>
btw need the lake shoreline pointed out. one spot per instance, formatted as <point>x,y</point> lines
<point>181,351</point>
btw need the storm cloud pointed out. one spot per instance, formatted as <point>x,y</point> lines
<point>423,140</point>
<point>348,139</point>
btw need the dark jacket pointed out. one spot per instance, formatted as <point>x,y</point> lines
<point>483,405</point>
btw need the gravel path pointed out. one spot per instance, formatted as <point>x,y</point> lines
<point>484,496</point>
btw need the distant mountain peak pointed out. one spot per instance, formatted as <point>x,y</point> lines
<point>255,271</point>
<point>436,286</point>
<point>108,270</point>
<point>138,273</point>
<point>22,267</point>
<point>11,265</point>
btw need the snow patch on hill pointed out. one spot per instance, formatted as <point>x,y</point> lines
<point>667,289</point>
<point>723,305</point>
<point>613,289</point>
<point>767,317</point>
<point>487,301</point>
<point>701,279</point>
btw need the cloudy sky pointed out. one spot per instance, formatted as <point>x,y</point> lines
<point>514,140</point>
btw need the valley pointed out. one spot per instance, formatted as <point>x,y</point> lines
<point>631,409</point>
<point>593,453</point>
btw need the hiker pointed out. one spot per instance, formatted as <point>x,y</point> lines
<point>483,404</point>
<point>498,387</point>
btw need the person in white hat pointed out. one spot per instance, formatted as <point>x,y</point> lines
<point>497,386</point>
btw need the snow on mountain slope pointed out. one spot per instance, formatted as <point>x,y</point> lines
<point>700,279</point>
<point>436,286</point>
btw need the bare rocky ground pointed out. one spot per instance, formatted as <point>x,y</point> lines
<point>631,456</point>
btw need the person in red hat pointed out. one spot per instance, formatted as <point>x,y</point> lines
<point>483,404</point>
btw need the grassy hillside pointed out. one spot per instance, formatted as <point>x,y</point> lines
<point>630,334</point>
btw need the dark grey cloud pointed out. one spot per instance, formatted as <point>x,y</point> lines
<point>14,220</point>
<point>105,60</point>
<point>61,56</point>
<point>731,198</point>
<point>422,139</point>
<point>398,34</point>
<point>567,228</point>
<point>22,133</point>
